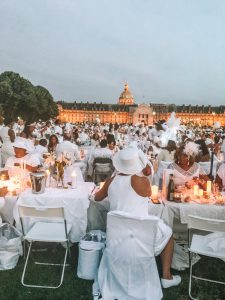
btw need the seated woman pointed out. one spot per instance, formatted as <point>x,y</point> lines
<point>184,167</point>
<point>53,142</point>
<point>204,154</point>
<point>30,161</point>
<point>129,192</point>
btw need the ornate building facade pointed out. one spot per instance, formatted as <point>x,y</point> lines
<point>126,111</point>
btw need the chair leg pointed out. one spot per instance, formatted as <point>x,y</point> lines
<point>24,249</point>
<point>190,276</point>
<point>43,286</point>
<point>25,266</point>
<point>68,248</point>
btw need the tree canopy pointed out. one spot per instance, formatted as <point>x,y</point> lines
<point>19,97</point>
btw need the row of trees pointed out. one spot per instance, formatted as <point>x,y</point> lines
<point>19,97</point>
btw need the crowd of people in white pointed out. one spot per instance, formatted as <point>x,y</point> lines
<point>138,152</point>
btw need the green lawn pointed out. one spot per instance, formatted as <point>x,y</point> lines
<point>78,289</point>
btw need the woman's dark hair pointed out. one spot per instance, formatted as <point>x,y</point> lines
<point>110,138</point>
<point>179,152</point>
<point>203,148</point>
<point>27,131</point>
<point>103,143</point>
<point>171,146</point>
<point>95,136</point>
<point>57,121</point>
<point>50,144</point>
<point>217,139</point>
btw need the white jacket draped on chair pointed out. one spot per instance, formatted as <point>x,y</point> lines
<point>128,269</point>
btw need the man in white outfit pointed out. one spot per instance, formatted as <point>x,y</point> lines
<point>67,147</point>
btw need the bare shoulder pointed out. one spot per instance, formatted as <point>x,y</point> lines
<point>141,185</point>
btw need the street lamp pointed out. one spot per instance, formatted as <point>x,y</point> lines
<point>115,117</point>
<point>213,113</point>
<point>153,113</point>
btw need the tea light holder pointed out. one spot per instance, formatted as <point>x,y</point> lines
<point>208,186</point>
<point>73,180</point>
<point>48,179</point>
<point>196,190</point>
<point>155,192</point>
<point>200,192</point>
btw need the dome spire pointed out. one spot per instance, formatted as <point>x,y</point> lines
<point>126,97</point>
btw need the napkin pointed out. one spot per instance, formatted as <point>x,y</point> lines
<point>215,242</point>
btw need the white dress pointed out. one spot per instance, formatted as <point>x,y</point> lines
<point>122,197</point>
<point>181,176</point>
<point>7,147</point>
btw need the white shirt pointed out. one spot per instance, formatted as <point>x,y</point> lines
<point>29,159</point>
<point>40,149</point>
<point>58,130</point>
<point>70,148</point>
<point>83,137</point>
<point>102,152</point>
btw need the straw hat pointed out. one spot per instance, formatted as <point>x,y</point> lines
<point>127,161</point>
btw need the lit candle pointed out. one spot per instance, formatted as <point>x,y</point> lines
<point>200,192</point>
<point>208,186</point>
<point>74,180</point>
<point>48,179</point>
<point>196,190</point>
<point>155,190</point>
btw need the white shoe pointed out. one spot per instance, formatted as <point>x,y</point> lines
<point>166,283</point>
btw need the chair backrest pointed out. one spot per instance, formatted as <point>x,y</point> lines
<point>128,269</point>
<point>102,160</point>
<point>103,165</point>
<point>41,212</point>
<point>125,228</point>
<point>205,224</point>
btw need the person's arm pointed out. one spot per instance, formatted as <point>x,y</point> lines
<point>141,186</point>
<point>103,192</point>
<point>31,169</point>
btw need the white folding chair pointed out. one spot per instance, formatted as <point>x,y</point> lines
<point>51,227</point>
<point>197,243</point>
<point>128,269</point>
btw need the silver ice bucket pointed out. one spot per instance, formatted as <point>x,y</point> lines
<point>38,182</point>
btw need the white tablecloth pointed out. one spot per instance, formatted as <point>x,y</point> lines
<point>181,211</point>
<point>75,202</point>
<point>6,211</point>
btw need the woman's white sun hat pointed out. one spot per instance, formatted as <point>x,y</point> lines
<point>127,161</point>
<point>19,143</point>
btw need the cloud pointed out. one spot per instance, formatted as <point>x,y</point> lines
<point>168,51</point>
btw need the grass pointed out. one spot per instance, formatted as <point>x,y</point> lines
<point>78,289</point>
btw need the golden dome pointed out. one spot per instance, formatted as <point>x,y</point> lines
<point>126,97</point>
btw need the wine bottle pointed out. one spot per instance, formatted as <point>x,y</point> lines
<point>171,189</point>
